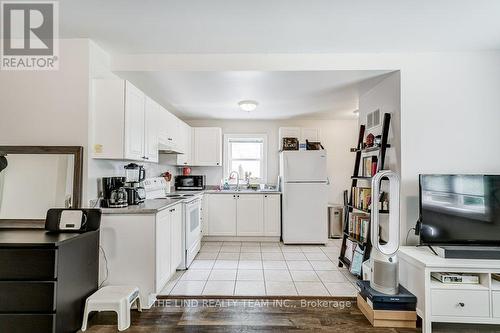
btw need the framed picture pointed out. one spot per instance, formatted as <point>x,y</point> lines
<point>290,144</point>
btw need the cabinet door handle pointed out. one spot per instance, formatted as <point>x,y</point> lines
<point>169,139</point>
<point>146,158</point>
<point>461,304</point>
<point>217,163</point>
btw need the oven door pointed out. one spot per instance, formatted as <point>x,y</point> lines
<point>193,229</point>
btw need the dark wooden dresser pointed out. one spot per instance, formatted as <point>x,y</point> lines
<point>45,279</point>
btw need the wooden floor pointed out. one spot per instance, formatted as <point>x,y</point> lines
<point>240,315</point>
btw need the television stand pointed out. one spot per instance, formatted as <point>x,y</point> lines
<point>451,303</point>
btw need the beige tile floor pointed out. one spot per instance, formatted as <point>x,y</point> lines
<point>263,269</point>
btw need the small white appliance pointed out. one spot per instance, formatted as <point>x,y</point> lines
<point>383,257</point>
<point>156,188</point>
<point>304,184</point>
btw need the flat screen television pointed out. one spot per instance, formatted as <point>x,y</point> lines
<point>460,209</point>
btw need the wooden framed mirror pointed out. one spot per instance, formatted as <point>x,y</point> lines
<point>36,178</point>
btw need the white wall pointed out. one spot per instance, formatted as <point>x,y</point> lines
<point>46,108</point>
<point>386,97</point>
<point>337,137</point>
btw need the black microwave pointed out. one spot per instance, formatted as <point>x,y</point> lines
<point>189,183</point>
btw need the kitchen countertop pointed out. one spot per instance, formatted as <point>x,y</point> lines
<point>150,206</point>
<point>153,206</point>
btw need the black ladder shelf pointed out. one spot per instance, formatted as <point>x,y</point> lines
<point>348,199</point>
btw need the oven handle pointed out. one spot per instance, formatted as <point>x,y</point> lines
<point>194,202</point>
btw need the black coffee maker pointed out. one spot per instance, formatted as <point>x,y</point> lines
<point>114,194</point>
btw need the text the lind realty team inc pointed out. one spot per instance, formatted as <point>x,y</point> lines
<point>226,303</point>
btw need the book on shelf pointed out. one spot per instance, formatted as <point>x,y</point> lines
<point>359,225</point>
<point>462,278</point>
<point>349,249</point>
<point>361,197</point>
<point>357,260</point>
<point>369,166</point>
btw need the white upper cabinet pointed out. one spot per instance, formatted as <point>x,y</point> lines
<point>310,134</point>
<point>303,134</point>
<point>124,122</point>
<point>207,146</point>
<point>185,145</point>
<point>151,117</point>
<point>134,122</point>
<point>168,133</point>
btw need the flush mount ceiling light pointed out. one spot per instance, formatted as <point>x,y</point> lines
<point>248,105</point>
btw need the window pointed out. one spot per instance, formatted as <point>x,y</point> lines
<point>246,154</point>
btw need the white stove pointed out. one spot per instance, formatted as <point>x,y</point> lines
<point>157,188</point>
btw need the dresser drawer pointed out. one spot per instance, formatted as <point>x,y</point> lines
<point>460,303</point>
<point>28,264</point>
<point>20,296</point>
<point>27,323</point>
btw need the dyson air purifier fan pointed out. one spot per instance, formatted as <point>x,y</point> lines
<point>383,259</point>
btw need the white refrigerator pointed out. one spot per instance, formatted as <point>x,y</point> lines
<point>304,184</point>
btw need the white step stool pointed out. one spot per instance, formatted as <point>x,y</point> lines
<point>113,298</point>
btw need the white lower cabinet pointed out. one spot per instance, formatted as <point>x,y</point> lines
<point>176,243</point>
<point>249,215</point>
<point>163,254</point>
<point>168,244</point>
<point>272,215</point>
<point>142,250</point>
<point>222,215</point>
<point>243,215</point>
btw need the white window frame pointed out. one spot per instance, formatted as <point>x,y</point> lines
<point>227,158</point>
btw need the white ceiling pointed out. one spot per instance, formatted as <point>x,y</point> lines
<point>281,95</point>
<point>283,26</point>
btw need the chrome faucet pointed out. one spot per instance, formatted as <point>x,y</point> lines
<point>237,179</point>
